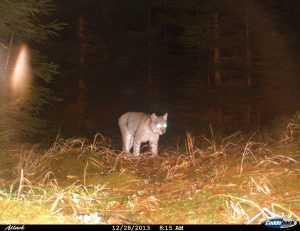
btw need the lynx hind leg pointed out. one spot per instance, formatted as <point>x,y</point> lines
<point>131,143</point>
<point>127,140</point>
<point>126,136</point>
<point>136,147</point>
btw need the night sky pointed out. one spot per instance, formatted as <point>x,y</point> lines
<point>231,64</point>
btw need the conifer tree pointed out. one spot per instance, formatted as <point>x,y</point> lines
<point>25,22</point>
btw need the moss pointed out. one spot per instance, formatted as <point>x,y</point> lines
<point>114,179</point>
<point>27,212</point>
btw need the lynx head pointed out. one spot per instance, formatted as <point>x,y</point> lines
<point>158,124</point>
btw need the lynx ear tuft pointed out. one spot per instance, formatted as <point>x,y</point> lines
<point>165,116</point>
<point>153,117</point>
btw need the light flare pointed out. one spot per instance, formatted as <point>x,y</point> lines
<point>22,73</point>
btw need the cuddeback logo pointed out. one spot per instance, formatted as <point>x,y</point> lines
<point>280,223</point>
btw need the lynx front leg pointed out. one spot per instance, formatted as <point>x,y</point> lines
<point>153,146</point>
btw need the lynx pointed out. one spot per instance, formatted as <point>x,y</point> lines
<point>138,127</point>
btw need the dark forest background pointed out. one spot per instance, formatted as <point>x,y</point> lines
<point>227,73</point>
<point>233,64</point>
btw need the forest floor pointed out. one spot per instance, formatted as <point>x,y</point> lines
<point>234,180</point>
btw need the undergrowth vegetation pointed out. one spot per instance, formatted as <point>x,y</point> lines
<point>236,179</point>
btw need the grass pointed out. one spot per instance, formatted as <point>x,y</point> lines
<point>210,180</point>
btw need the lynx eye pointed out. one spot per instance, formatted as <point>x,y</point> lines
<point>165,125</point>
<point>158,125</point>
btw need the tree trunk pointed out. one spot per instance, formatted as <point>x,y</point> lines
<point>216,49</point>
<point>216,64</point>
<point>248,51</point>
<point>9,52</point>
<point>149,47</point>
<point>81,82</point>
<point>248,59</point>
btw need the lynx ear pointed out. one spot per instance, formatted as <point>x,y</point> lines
<point>166,116</point>
<point>153,117</point>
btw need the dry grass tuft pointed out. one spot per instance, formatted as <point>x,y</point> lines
<point>234,179</point>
